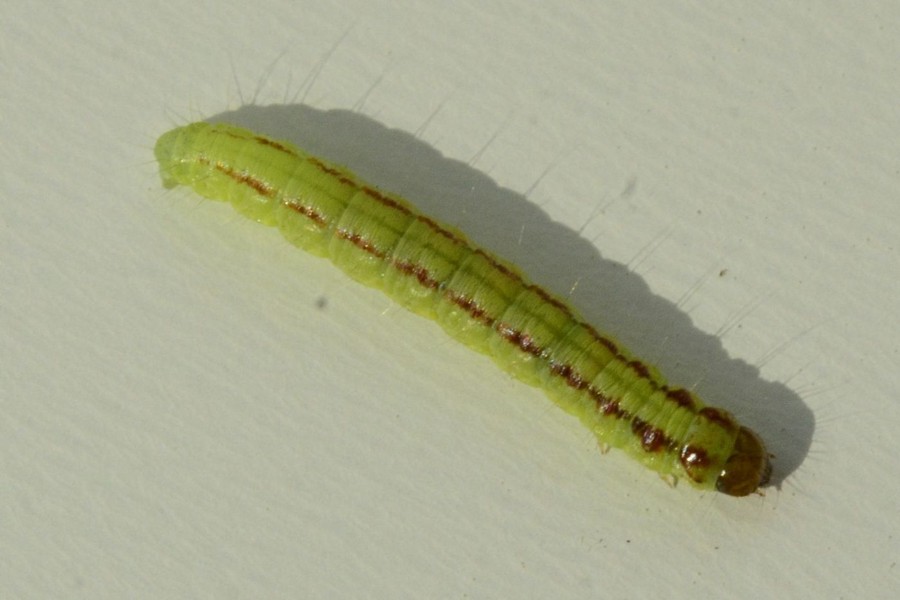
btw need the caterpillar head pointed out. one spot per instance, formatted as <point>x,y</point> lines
<point>748,467</point>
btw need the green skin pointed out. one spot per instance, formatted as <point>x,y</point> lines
<point>432,269</point>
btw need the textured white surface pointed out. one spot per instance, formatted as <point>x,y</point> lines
<point>181,417</point>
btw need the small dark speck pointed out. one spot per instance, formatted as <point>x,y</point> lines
<point>723,272</point>
<point>321,302</point>
<point>630,188</point>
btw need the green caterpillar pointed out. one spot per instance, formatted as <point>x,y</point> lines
<point>432,269</point>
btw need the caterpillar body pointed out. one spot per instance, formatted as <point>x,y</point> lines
<point>432,269</point>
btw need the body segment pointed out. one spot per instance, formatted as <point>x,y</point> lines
<point>432,269</point>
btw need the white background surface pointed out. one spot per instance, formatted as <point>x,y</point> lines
<point>191,408</point>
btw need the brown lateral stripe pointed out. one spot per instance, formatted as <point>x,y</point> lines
<point>420,273</point>
<point>572,377</point>
<point>306,211</point>
<point>274,144</point>
<point>719,417</point>
<point>470,306</point>
<point>360,242</point>
<point>680,396</point>
<point>693,457</point>
<point>262,188</point>
<point>652,438</point>
<point>521,339</point>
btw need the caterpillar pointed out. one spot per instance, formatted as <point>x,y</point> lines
<point>432,269</point>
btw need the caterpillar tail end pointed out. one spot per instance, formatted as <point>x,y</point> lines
<point>165,150</point>
<point>748,468</point>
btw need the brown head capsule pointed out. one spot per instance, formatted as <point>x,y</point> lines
<point>748,468</point>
